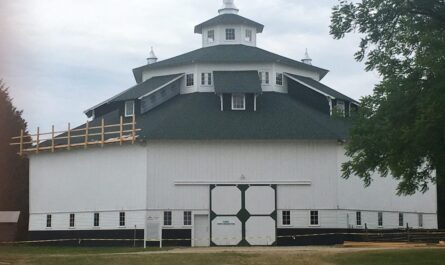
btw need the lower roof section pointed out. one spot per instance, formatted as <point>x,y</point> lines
<point>197,116</point>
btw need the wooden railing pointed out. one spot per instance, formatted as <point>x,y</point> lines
<point>79,137</point>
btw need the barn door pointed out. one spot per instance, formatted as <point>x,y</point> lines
<point>243,215</point>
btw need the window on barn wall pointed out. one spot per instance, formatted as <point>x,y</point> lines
<point>209,79</point>
<point>211,36</point>
<point>230,34</point>
<point>420,217</point>
<point>187,218</point>
<point>238,102</point>
<point>248,35</point>
<point>285,217</point>
<point>129,108</point>
<point>380,219</point>
<point>96,220</point>
<point>264,78</point>
<point>72,220</point>
<point>279,79</point>
<point>48,220</point>
<point>206,79</point>
<point>190,80</point>
<point>400,219</point>
<point>358,217</point>
<point>314,218</point>
<point>122,219</point>
<point>168,218</point>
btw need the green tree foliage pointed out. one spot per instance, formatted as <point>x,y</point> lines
<point>13,168</point>
<point>400,128</point>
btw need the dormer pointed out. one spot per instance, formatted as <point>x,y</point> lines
<point>229,28</point>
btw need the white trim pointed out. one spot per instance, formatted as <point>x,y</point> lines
<point>161,87</point>
<point>254,102</point>
<point>330,105</point>
<point>311,87</point>
<point>244,101</point>
<point>222,102</point>
<point>253,182</point>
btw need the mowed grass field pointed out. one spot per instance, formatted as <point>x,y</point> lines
<point>292,256</point>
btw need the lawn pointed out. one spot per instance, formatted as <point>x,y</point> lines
<point>102,256</point>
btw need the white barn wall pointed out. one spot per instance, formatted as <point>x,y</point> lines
<point>105,180</point>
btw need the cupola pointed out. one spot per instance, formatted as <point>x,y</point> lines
<point>229,28</point>
<point>152,57</point>
<point>307,59</point>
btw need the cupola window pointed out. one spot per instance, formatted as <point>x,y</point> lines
<point>230,34</point>
<point>129,108</point>
<point>238,102</point>
<point>211,36</point>
<point>248,35</point>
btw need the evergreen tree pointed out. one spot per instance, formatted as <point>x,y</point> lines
<point>13,168</point>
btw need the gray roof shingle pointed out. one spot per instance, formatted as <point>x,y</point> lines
<point>237,82</point>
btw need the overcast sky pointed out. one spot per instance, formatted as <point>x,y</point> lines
<point>60,57</point>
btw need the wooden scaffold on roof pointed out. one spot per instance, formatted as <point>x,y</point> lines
<point>79,137</point>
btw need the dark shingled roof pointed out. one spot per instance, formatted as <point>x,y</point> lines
<point>323,88</point>
<point>221,54</point>
<point>229,19</point>
<point>237,82</point>
<point>139,90</point>
<point>197,116</point>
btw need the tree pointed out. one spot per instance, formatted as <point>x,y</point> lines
<point>400,128</point>
<point>13,168</point>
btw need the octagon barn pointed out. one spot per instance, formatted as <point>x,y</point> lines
<point>235,145</point>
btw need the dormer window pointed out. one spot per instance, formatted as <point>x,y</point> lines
<point>238,102</point>
<point>248,35</point>
<point>211,36</point>
<point>230,34</point>
<point>129,108</point>
<point>340,107</point>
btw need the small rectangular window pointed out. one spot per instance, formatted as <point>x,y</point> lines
<point>72,220</point>
<point>340,107</point>
<point>248,35</point>
<point>190,80</point>
<point>238,102</point>
<point>279,79</point>
<point>210,36</point>
<point>168,218</point>
<point>380,219</point>
<point>264,77</point>
<point>122,219</point>
<point>286,217</point>
<point>49,220</point>
<point>187,218</point>
<point>129,108</point>
<point>230,34</point>
<point>96,220</point>
<point>420,216</point>
<point>203,79</point>
<point>401,219</point>
<point>209,79</point>
<point>314,218</point>
<point>358,217</point>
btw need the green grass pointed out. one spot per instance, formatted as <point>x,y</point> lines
<point>104,256</point>
<point>392,257</point>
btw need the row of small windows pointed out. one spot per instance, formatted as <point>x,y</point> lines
<point>96,220</point>
<point>187,218</point>
<point>230,35</point>
<point>314,218</point>
<point>206,80</point>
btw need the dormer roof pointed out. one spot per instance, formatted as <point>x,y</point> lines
<point>229,19</point>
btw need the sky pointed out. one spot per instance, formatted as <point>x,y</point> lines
<point>60,57</point>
